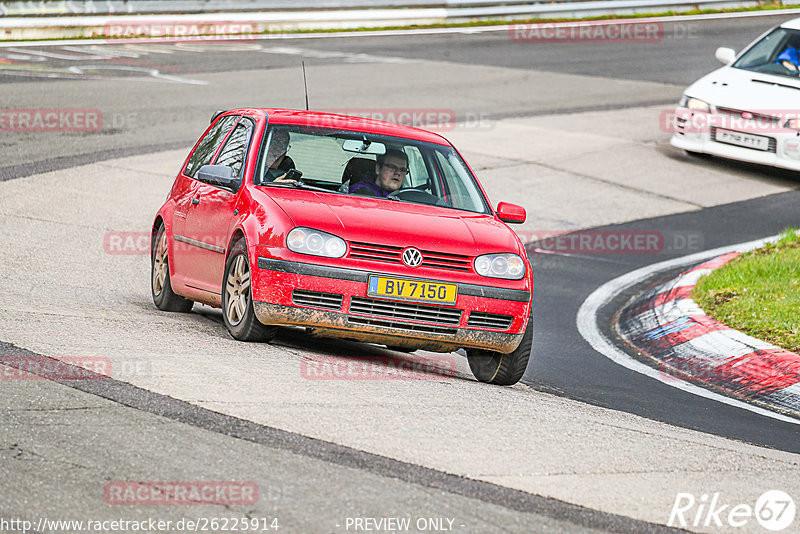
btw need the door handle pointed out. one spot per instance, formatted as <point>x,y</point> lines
<point>195,201</point>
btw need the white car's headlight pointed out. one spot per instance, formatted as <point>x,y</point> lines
<point>695,104</point>
<point>509,266</point>
<point>794,124</point>
<point>309,241</point>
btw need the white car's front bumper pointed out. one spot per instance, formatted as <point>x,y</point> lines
<point>784,144</point>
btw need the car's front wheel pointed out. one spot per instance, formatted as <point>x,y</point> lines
<point>237,300</point>
<point>160,285</point>
<point>502,369</point>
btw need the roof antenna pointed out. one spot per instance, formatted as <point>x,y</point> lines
<point>305,84</point>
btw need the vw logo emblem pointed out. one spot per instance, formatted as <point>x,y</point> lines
<point>412,257</point>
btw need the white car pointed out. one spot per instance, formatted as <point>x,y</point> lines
<point>748,110</point>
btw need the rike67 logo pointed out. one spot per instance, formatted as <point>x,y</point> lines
<point>774,510</point>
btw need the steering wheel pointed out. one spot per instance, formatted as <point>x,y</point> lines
<point>414,195</point>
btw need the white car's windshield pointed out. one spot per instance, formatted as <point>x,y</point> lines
<point>777,53</point>
<point>357,163</point>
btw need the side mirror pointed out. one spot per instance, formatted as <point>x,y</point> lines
<point>725,55</point>
<point>511,213</point>
<point>219,175</point>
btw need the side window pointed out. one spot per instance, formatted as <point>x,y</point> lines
<point>208,146</point>
<point>234,152</point>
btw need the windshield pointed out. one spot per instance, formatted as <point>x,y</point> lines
<point>777,53</point>
<point>356,163</point>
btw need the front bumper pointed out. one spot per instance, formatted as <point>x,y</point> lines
<point>276,284</point>
<point>783,150</point>
<point>384,332</point>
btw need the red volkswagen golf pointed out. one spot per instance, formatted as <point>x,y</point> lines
<point>357,229</point>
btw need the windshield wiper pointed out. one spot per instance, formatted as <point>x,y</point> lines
<point>300,185</point>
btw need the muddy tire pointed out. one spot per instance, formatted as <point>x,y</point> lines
<point>502,369</point>
<point>237,299</point>
<point>160,285</point>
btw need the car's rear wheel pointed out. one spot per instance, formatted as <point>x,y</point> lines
<point>237,299</point>
<point>502,369</point>
<point>160,286</point>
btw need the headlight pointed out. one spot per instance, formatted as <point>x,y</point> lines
<point>695,104</point>
<point>509,266</point>
<point>794,124</point>
<point>308,241</point>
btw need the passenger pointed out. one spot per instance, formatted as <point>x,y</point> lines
<point>391,169</point>
<point>279,163</point>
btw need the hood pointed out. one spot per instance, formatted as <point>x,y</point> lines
<point>403,224</point>
<point>747,90</point>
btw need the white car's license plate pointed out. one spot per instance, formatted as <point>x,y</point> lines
<point>742,139</point>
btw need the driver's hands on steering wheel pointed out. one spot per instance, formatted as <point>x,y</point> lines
<point>788,65</point>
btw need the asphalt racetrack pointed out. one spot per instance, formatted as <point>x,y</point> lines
<point>574,132</point>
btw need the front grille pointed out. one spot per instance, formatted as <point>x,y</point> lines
<point>773,144</point>
<point>427,329</point>
<point>316,299</point>
<point>761,117</point>
<point>405,311</point>
<point>392,254</point>
<point>365,251</point>
<point>490,320</point>
<point>441,260</point>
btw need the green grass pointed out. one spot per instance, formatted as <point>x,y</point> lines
<point>758,292</point>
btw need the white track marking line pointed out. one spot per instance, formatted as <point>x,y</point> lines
<point>348,57</point>
<point>587,326</point>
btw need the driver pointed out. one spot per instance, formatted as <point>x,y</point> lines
<point>279,163</point>
<point>391,168</point>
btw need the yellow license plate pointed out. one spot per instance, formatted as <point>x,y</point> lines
<point>416,290</point>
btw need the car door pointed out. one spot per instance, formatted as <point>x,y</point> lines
<point>211,214</point>
<point>185,191</point>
